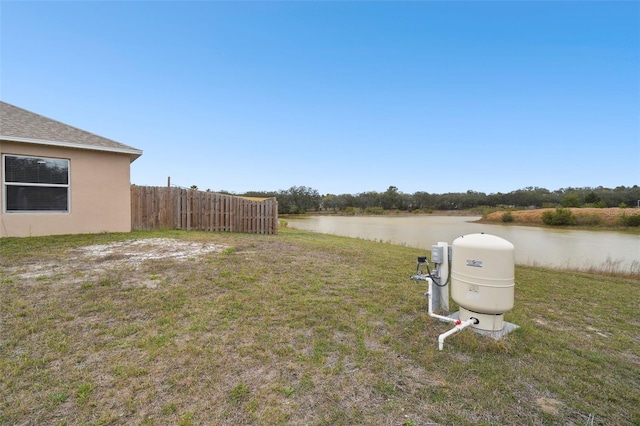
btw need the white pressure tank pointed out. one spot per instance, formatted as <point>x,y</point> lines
<point>482,279</point>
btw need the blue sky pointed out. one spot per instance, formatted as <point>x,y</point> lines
<point>342,97</point>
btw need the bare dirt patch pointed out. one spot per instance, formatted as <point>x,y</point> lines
<point>96,260</point>
<point>135,252</point>
<point>549,405</point>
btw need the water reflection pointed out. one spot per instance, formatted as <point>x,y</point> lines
<point>557,248</point>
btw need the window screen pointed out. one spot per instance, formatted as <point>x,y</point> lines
<point>35,184</point>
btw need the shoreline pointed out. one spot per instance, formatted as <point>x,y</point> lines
<point>590,219</point>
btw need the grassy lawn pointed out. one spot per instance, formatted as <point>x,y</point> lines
<point>296,328</point>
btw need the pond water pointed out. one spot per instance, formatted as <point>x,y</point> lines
<point>535,246</point>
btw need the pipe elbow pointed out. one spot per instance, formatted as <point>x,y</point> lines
<point>459,327</point>
<point>440,342</point>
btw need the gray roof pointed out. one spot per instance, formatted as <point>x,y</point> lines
<point>20,125</point>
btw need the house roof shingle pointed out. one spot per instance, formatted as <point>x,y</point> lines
<point>20,125</point>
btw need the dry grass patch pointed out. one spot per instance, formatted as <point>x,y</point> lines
<point>607,216</point>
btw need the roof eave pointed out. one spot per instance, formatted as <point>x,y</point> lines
<point>133,153</point>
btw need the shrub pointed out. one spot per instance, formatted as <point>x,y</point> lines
<point>374,210</point>
<point>631,220</point>
<point>507,217</point>
<point>547,217</point>
<point>351,211</point>
<point>559,217</point>
<point>483,211</point>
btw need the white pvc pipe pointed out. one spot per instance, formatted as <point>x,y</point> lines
<point>459,325</point>
<point>429,296</point>
<point>454,330</point>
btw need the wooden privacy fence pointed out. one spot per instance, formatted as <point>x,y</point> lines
<point>154,207</point>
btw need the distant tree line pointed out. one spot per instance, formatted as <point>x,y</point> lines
<point>302,199</point>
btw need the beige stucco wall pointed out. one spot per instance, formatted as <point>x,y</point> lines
<point>100,195</point>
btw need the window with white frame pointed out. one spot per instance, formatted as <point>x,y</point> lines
<point>34,184</point>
